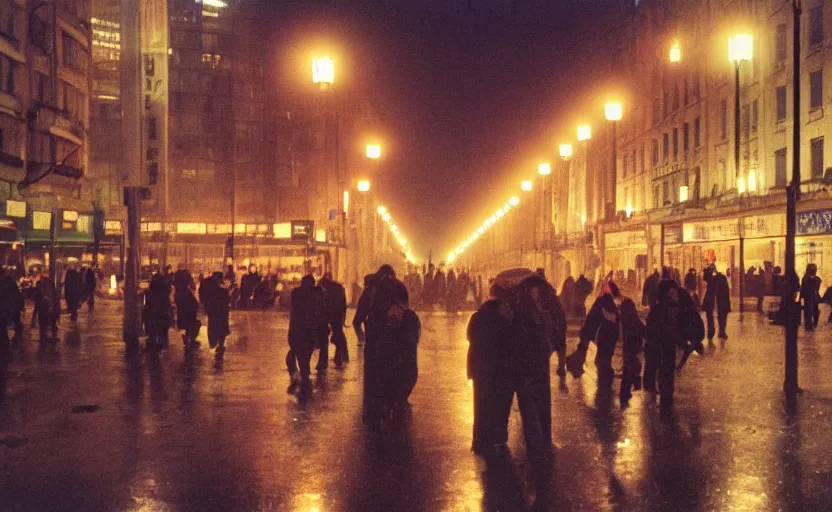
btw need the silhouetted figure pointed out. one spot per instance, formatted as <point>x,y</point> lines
<point>650,289</point>
<point>810,293</point>
<point>157,313</point>
<point>73,291</point>
<point>633,333</point>
<point>335,300</point>
<point>583,287</point>
<point>187,307</point>
<point>307,327</point>
<point>90,283</point>
<point>567,295</point>
<point>217,305</point>
<point>717,297</point>
<point>12,304</point>
<point>602,326</point>
<point>673,322</point>
<point>362,310</point>
<point>248,285</point>
<point>692,281</point>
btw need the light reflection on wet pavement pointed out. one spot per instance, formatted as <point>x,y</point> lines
<point>178,432</point>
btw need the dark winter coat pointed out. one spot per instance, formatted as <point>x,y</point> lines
<point>11,301</point>
<point>217,306</point>
<point>718,294</point>
<point>187,308</point>
<point>307,320</point>
<point>632,328</point>
<point>650,290</point>
<point>678,323</point>
<point>157,311</point>
<point>601,322</point>
<point>491,343</point>
<point>73,287</point>
<point>335,300</point>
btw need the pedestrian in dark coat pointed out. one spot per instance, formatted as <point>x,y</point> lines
<point>48,304</point>
<point>810,293</point>
<point>248,285</point>
<point>583,287</point>
<point>567,295</point>
<point>362,309</point>
<point>673,322</point>
<point>12,304</point>
<point>650,289</point>
<point>157,313</point>
<point>493,370</point>
<point>90,282</point>
<point>187,309</point>
<point>307,327</point>
<point>692,281</point>
<point>217,306</point>
<point>602,325</point>
<point>73,290</point>
<point>633,333</point>
<point>335,300</point>
<point>717,297</point>
<point>395,352</point>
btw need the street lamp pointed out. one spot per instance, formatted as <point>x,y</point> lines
<point>323,72</point>
<point>740,48</point>
<point>364,186</point>
<point>526,185</point>
<point>613,111</point>
<point>584,132</point>
<point>373,151</point>
<point>565,151</point>
<point>544,169</point>
<point>675,52</point>
<point>514,201</point>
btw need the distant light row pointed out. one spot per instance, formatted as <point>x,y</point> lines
<point>485,226</point>
<point>397,234</point>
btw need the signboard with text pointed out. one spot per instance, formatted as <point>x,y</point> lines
<point>302,229</point>
<point>814,222</point>
<point>625,239</point>
<point>711,231</point>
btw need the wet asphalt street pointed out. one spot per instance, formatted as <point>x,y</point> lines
<point>181,433</point>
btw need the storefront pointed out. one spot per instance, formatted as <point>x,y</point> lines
<point>625,254</point>
<point>11,242</point>
<point>814,242</point>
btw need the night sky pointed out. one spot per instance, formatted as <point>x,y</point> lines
<point>470,95</point>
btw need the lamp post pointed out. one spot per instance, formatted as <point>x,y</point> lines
<point>740,48</point>
<point>792,196</point>
<point>612,111</point>
<point>544,169</point>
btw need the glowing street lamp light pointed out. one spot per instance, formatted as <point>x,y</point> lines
<point>629,210</point>
<point>613,111</point>
<point>385,217</point>
<point>565,151</point>
<point>526,185</point>
<point>740,48</point>
<point>364,186</point>
<point>584,132</point>
<point>752,181</point>
<point>544,169</point>
<point>323,71</point>
<point>683,193</point>
<point>675,52</point>
<point>382,210</point>
<point>741,184</point>
<point>514,201</point>
<point>373,151</point>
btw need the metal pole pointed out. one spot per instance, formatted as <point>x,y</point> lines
<point>737,172</point>
<point>131,131</point>
<point>790,384</point>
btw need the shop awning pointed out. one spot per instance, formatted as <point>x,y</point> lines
<point>8,232</point>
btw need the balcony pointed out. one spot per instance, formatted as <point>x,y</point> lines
<point>48,120</point>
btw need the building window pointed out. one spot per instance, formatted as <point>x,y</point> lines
<point>755,112</point>
<point>41,148</point>
<point>745,123</point>
<point>641,158</point>
<point>780,94</point>
<point>665,193</point>
<point>8,17</point>
<point>685,92</point>
<point>75,102</point>
<point>624,165</point>
<point>675,97</point>
<point>686,138</point>
<point>723,120</point>
<point>675,144</point>
<point>74,55</point>
<point>696,89</point>
<point>697,128</point>
<point>816,89</point>
<point>665,102</point>
<point>7,70</point>
<point>817,157</point>
<point>654,152</point>
<point>780,168</point>
<point>656,111</point>
<point>656,196</point>
<point>635,168</point>
<point>41,88</point>
<point>816,25</point>
<point>673,190</point>
<point>665,147</point>
<point>780,43</point>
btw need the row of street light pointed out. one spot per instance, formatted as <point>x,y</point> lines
<point>484,227</point>
<point>387,219</point>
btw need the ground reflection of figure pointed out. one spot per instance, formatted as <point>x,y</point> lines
<point>307,327</point>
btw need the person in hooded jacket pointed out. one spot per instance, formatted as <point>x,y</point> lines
<point>307,327</point>
<point>673,322</point>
